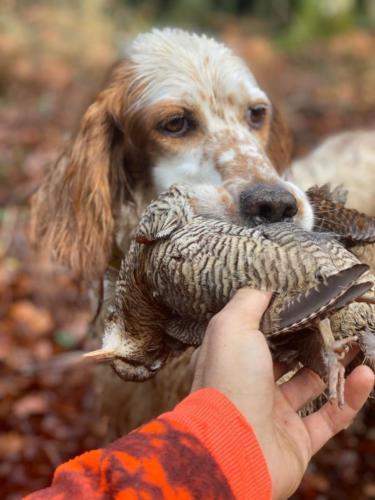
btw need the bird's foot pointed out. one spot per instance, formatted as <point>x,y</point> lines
<point>336,351</point>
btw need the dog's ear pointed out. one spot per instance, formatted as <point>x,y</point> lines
<point>72,213</point>
<point>280,144</point>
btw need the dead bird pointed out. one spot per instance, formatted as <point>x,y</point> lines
<point>183,268</point>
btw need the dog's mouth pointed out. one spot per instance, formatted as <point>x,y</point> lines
<point>253,221</point>
<point>305,213</point>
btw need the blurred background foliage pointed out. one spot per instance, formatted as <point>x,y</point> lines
<point>315,58</point>
<point>48,45</point>
<point>85,28</point>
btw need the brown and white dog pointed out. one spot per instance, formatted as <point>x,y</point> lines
<point>179,108</point>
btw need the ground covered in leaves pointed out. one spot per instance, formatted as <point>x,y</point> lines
<point>47,400</point>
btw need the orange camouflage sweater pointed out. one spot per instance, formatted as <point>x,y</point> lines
<point>203,449</point>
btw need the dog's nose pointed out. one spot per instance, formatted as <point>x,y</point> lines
<point>265,203</point>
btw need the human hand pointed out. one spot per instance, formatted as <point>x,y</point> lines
<point>235,359</point>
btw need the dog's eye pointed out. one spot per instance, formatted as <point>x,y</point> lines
<point>256,116</point>
<point>176,125</point>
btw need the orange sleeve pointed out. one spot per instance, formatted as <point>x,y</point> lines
<point>204,448</point>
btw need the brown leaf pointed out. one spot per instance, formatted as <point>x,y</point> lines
<point>30,320</point>
<point>30,405</point>
<point>11,444</point>
<point>369,490</point>
<point>315,481</point>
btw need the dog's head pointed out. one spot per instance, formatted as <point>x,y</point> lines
<point>179,108</point>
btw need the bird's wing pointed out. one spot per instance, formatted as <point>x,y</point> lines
<point>170,211</point>
<point>330,213</point>
<point>302,309</point>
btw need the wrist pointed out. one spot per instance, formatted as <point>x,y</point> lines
<point>218,424</point>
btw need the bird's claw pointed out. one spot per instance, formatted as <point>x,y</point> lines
<point>336,370</point>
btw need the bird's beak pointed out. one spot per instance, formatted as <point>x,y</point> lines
<point>99,356</point>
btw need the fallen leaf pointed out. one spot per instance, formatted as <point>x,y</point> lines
<point>31,404</point>
<point>30,320</point>
<point>11,444</point>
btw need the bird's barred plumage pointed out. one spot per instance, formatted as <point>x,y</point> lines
<point>183,268</point>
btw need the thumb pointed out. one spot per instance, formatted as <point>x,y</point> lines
<point>247,307</point>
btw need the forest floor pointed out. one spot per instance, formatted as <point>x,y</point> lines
<point>47,401</point>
